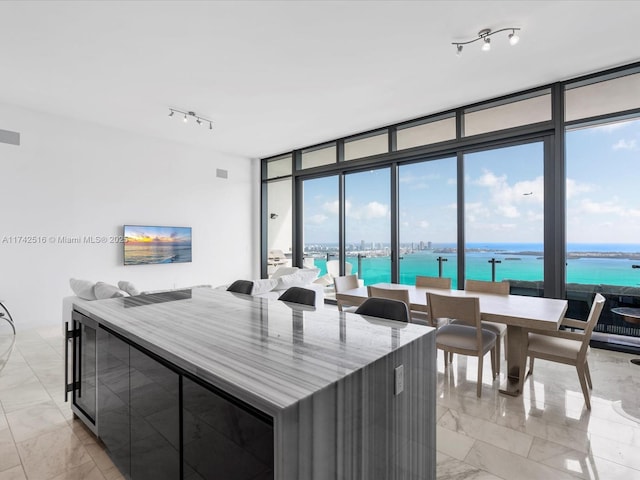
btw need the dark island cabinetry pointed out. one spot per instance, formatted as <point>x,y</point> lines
<point>157,423</point>
<point>138,411</point>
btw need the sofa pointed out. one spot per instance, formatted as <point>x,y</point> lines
<point>272,288</point>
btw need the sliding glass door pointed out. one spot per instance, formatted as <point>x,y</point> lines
<point>504,216</point>
<point>320,225</point>
<point>427,220</point>
<point>368,225</point>
<point>603,223</point>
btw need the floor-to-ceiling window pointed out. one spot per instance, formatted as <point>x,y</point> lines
<point>368,225</point>
<point>427,219</point>
<point>496,190</point>
<point>278,213</point>
<point>504,202</point>
<point>603,221</point>
<point>321,225</point>
<point>603,201</point>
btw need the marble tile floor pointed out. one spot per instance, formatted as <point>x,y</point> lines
<point>546,433</point>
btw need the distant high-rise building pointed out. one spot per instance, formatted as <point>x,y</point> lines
<point>421,245</point>
<point>429,245</point>
<point>362,247</point>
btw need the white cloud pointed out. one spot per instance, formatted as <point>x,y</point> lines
<point>331,207</point>
<point>509,211</point>
<point>609,207</point>
<point>317,219</point>
<point>489,179</point>
<point>475,211</point>
<point>535,216</point>
<point>423,224</point>
<point>504,198</point>
<point>575,188</point>
<point>623,144</point>
<point>376,210</point>
<point>369,211</point>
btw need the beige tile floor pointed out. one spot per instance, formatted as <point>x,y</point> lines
<point>547,433</point>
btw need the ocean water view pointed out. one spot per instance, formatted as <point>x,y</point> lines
<point>607,264</point>
<point>143,254</point>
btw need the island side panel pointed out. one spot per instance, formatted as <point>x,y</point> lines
<point>358,429</point>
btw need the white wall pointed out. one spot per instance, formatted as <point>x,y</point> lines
<point>74,179</point>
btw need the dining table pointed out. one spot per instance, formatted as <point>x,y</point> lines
<point>518,312</point>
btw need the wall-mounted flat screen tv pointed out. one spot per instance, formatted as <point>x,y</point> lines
<point>148,244</point>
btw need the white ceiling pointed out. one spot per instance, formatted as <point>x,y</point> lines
<point>274,76</point>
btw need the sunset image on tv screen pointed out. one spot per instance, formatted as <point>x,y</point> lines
<point>146,244</point>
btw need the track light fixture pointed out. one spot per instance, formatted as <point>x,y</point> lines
<point>484,35</point>
<point>187,115</point>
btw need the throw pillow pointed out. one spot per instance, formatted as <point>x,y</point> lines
<point>284,271</point>
<point>105,290</point>
<point>128,287</point>
<point>263,285</point>
<point>83,288</point>
<point>309,274</point>
<point>300,278</point>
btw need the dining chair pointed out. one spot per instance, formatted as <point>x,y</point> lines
<point>386,308</point>
<point>303,296</point>
<point>402,295</point>
<point>433,282</point>
<point>500,329</point>
<point>568,347</point>
<point>342,284</point>
<point>466,337</point>
<point>241,286</point>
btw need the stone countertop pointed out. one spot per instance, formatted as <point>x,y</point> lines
<point>267,353</point>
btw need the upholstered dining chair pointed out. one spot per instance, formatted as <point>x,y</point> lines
<point>500,329</point>
<point>342,284</point>
<point>433,282</point>
<point>384,308</point>
<point>402,295</point>
<point>303,296</point>
<point>241,286</point>
<point>466,337</point>
<point>568,347</point>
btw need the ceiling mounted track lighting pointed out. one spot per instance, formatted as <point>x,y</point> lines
<point>191,115</point>
<point>485,35</point>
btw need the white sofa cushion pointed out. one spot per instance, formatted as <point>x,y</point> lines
<point>83,288</point>
<point>263,285</point>
<point>284,271</point>
<point>128,287</point>
<point>104,290</point>
<point>301,278</point>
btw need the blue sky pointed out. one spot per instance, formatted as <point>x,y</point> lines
<point>503,195</point>
<point>603,169</point>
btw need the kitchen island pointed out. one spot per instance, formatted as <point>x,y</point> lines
<point>207,384</point>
